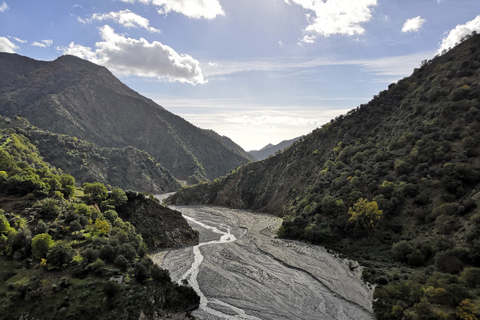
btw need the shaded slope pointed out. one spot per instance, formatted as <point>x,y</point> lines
<point>75,97</point>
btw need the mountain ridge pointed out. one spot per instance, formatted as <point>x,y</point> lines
<point>76,97</point>
<point>393,184</point>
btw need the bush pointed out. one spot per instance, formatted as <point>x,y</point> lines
<point>49,209</point>
<point>121,262</point>
<point>471,276</point>
<point>447,261</point>
<point>60,253</point>
<point>41,244</point>
<point>141,272</point>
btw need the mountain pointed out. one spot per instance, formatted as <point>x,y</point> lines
<point>126,168</point>
<point>394,184</point>
<point>270,149</point>
<point>78,98</point>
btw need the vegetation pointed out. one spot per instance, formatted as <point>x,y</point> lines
<point>394,184</point>
<point>126,168</point>
<point>58,251</point>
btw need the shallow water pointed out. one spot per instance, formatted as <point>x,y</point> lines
<point>241,271</point>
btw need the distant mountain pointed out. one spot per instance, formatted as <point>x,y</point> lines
<point>270,149</point>
<point>232,145</point>
<point>394,184</point>
<point>78,98</point>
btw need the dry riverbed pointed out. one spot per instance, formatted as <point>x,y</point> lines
<point>242,271</point>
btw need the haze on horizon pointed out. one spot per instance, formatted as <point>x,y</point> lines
<point>258,72</point>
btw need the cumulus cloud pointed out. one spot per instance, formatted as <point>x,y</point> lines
<point>139,57</point>
<point>197,9</point>
<point>455,35</point>
<point>7,46</point>
<point>335,17</point>
<point>413,24</point>
<point>42,43</point>
<point>126,18</point>
<point>3,7</point>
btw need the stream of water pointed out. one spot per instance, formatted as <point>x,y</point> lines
<point>241,271</point>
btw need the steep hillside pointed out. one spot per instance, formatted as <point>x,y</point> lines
<point>60,252</point>
<point>75,97</point>
<point>126,168</point>
<point>393,184</point>
<point>270,149</point>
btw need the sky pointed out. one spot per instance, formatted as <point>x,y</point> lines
<point>256,71</point>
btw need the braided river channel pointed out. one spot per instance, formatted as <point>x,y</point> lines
<point>241,270</point>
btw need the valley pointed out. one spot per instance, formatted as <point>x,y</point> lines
<point>241,270</point>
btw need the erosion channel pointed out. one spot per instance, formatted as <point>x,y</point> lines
<point>242,271</point>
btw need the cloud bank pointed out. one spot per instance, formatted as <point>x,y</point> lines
<point>455,35</point>
<point>7,46</point>
<point>126,18</point>
<point>335,17</point>
<point>139,57</point>
<point>413,24</point>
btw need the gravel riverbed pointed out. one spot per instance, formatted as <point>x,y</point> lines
<point>242,271</point>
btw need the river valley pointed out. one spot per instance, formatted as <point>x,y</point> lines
<point>242,271</point>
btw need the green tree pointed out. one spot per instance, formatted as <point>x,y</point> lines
<point>364,216</point>
<point>96,191</point>
<point>41,244</point>
<point>471,276</point>
<point>59,254</point>
<point>119,197</point>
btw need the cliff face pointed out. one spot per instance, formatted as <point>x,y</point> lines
<point>78,98</point>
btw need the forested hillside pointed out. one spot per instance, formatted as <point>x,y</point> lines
<point>393,184</point>
<point>62,247</point>
<point>78,98</point>
<point>125,168</point>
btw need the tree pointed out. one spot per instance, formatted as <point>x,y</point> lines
<point>471,276</point>
<point>41,244</point>
<point>119,197</point>
<point>49,208</point>
<point>364,216</point>
<point>60,253</point>
<point>102,226</point>
<point>96,191</point>
<point>75,226</point>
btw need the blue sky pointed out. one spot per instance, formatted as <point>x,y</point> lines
<point>257,71</point>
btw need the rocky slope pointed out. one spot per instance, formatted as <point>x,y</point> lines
<point>78,98</point>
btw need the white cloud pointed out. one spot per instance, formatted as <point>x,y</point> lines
<point>42,43</point>
<point>335,17</point>
<point>413,24</point>
<point>139,57</point>
<point>455,35</point>
<point>196,9</point>
<point>17,39</point>
<point>126,18</point>
<point>7,46</point>
<point>3,7</point>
